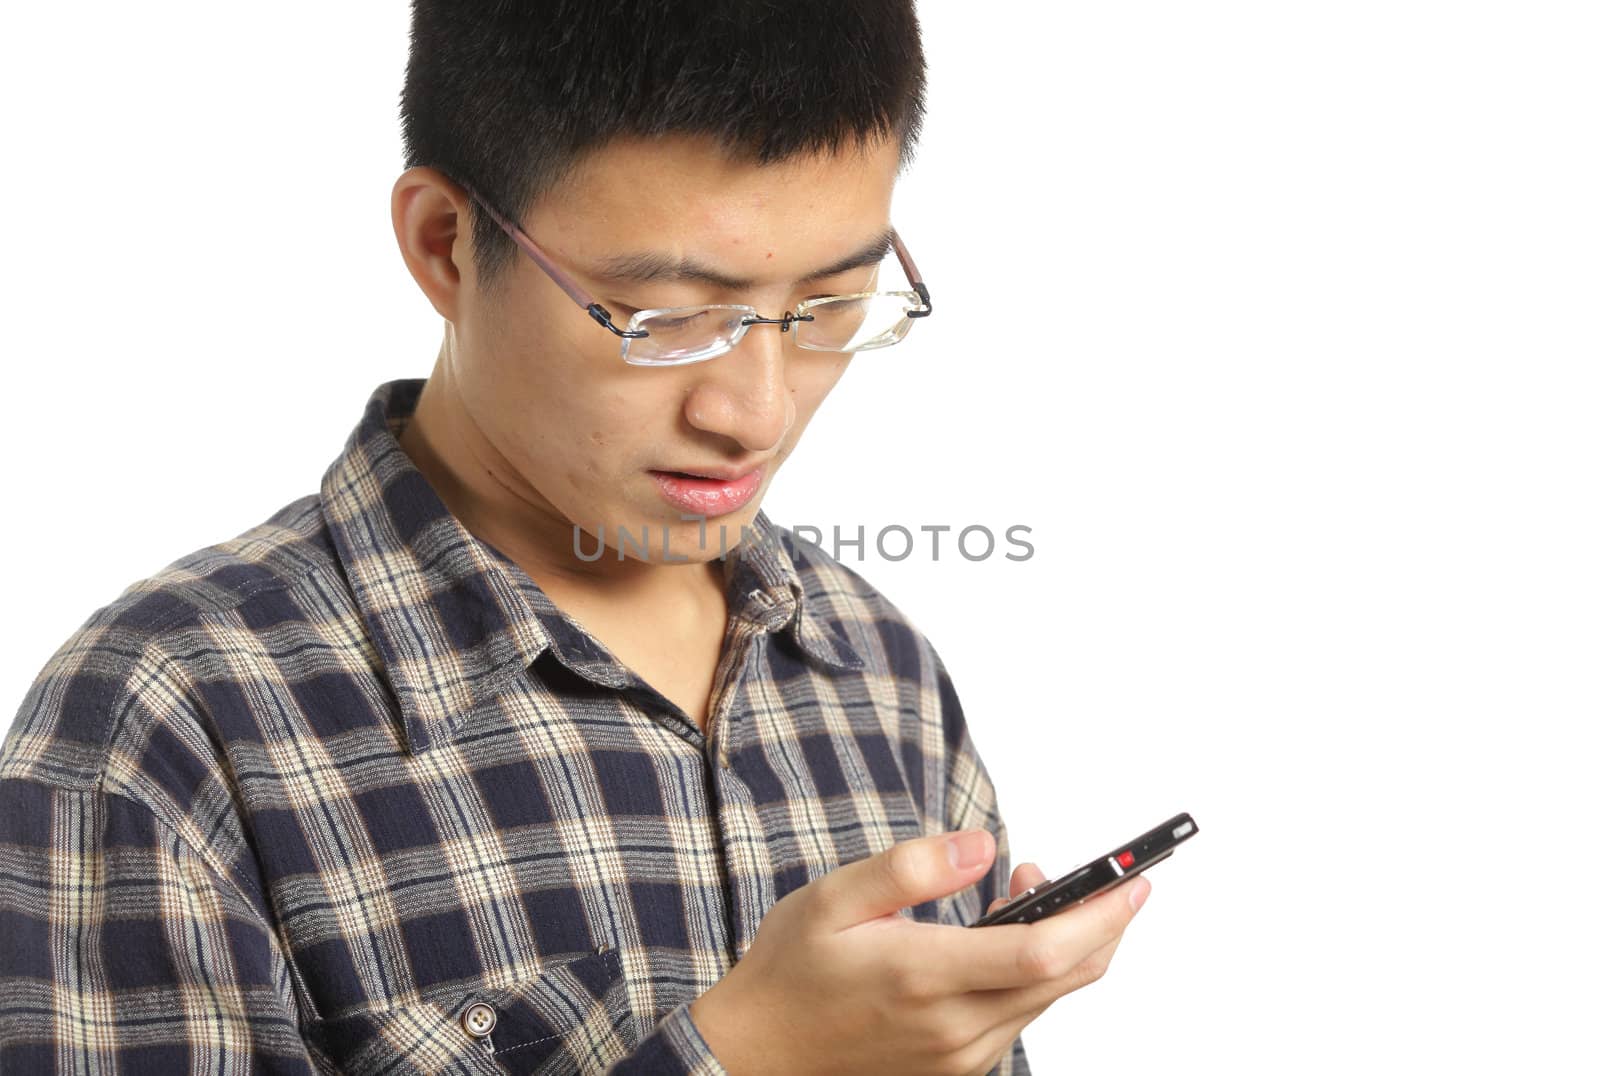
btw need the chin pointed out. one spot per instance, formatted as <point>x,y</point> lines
<point>710,538</point>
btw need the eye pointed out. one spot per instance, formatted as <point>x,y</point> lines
<point>653,303</point>
<point>839,306</point>
<point>667,324</point>
<point>853,282</point>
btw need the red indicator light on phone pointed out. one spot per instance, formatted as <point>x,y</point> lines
<point>1126,859</point>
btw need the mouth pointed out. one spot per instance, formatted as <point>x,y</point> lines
<point>708,496</point>
<point>715,475</point>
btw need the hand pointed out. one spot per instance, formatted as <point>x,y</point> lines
<point>1023,878</point>
<point>837,980</point>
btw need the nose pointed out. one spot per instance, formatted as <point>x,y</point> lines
<point>743,394</point>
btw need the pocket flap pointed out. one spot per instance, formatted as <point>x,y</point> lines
<point>575,1017</point>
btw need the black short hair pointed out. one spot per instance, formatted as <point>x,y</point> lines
<point>508,96</point>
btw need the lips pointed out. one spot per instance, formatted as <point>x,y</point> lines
<point>719,474</point>
<point>708,497</point>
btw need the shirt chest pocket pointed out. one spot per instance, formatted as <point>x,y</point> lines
<point>575,1017</point>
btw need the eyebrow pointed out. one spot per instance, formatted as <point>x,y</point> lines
<point>653,265</point>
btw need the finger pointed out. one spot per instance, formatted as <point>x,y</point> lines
<point>1037,998</point>
<point>1029,954</point>
<point>996,1043</point>
<point>1025,877</point>
<point>1014,1009</point>
<point>905,874</point>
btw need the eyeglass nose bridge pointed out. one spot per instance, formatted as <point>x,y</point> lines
<point>783,323</point>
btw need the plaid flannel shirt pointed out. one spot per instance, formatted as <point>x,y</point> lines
<point>349,793</point>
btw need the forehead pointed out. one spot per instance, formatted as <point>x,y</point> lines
<point>684,195</point>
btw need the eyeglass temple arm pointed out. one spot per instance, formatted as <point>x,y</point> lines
<point>603,316</point>
<point>912,275</point>
<point>563,281</point>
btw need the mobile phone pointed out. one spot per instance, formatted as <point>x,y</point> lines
<point>1096,876</point>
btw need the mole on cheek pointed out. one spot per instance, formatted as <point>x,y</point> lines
<point>769,253</point>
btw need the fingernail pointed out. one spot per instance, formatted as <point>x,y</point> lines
<point>967,849</point>
<point>1139,890</point>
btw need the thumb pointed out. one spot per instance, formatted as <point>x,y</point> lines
<point>910,872</point>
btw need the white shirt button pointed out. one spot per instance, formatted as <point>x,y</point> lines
<point>478,1020</point>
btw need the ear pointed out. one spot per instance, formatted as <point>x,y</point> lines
<point>433,227</point>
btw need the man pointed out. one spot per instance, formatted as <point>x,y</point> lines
<point>515,747</point>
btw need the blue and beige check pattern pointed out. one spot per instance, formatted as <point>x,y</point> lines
<point>304,799</point>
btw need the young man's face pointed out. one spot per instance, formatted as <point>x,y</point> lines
<point>569,431</point>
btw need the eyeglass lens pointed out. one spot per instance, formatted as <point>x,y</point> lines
<point>845,323</point>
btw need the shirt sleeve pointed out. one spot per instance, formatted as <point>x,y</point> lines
<point>674,1048</point>
<point>972,803</point>
<point>121,950</point>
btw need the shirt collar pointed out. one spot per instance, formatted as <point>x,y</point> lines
<point>454,620</point>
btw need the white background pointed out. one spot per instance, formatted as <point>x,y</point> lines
<point>1275,322</point>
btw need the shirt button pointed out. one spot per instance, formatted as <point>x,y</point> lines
<point>478,1020</point>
